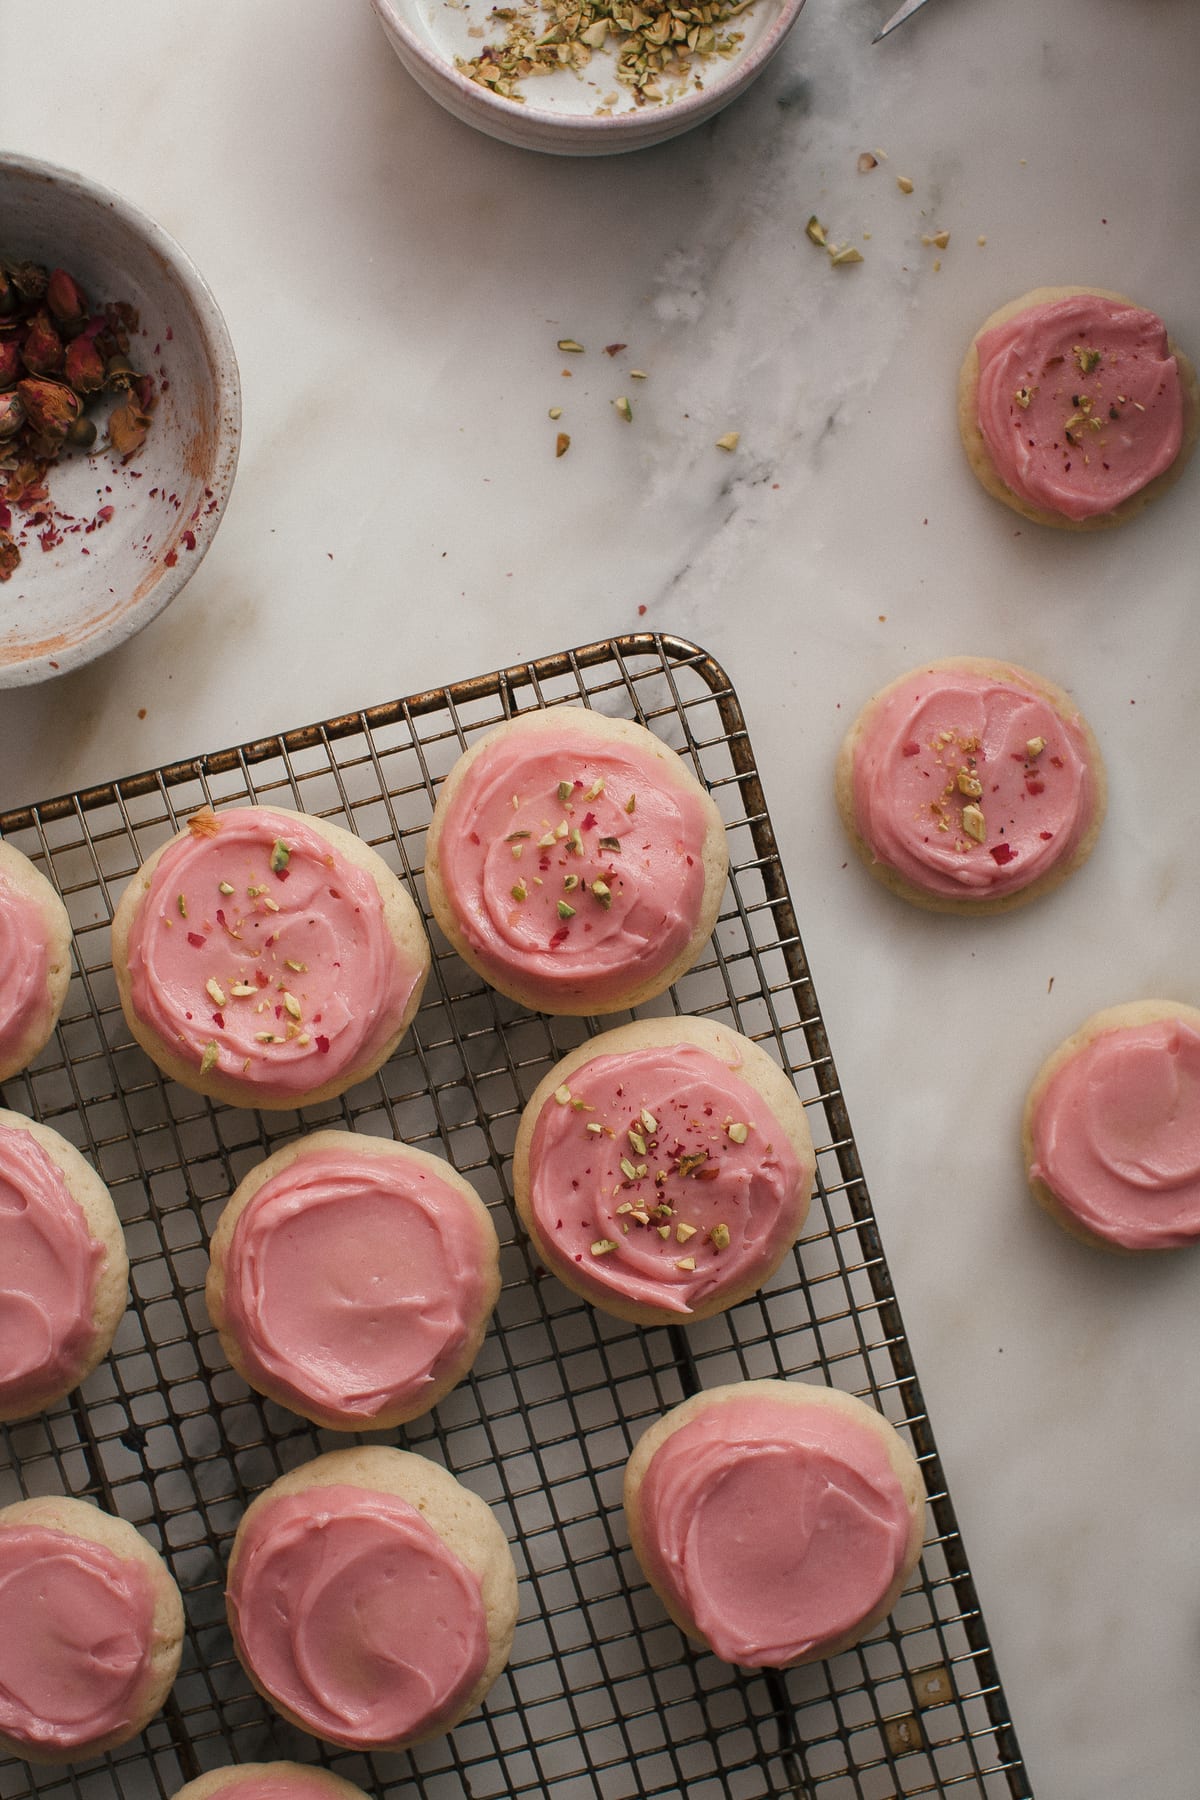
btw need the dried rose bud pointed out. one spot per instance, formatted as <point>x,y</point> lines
<point>51,408</point>
<point>11,366</point>
<point>12,415</point>
<point>127,425</point>
<point>29,279</point>
<point>10,556</point>
<point>83,365</point>
<point>118,374</point>
<point>82,434</point>
<point>65,298</point>
<point>42,350</point>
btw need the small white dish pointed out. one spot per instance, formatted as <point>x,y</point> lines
<point>103,575</point>
<point>566,113</point>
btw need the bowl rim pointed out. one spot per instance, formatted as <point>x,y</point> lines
<point>226,437</point>
<point>737,73</point>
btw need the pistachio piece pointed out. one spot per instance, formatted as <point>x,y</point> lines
<point>973,822</point>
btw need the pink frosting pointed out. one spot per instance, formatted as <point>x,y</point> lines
<point>510,888</point>
<point>679,1213</point>
<point>354,1614</point>
<point>323,986</point>
<point>24,968</point>
<point>777,1528</point>
<point>354,1281</point>
<point>1080,404</point>
<point>1116,1135</point>
<point>76,1632</point>
<point>49,1265</point>
<point>940,724</point>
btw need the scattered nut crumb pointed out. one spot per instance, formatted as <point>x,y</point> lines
<point>904,184</point>
<point>730,440</point>
<point>867,162</point>
<point>562,444</point>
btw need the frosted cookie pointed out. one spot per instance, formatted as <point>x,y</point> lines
<point>1111,1128</point>
<point>63,1268</point>
<point>352,1279</point>
<point>575,862</point>
<point>1075,409</point>
<point>269,1781</point>
<point>372,1598</point>
<point>91,1627</point>
<point>35,960</point>
<point>777,1523</point>
<point>971,786</point>
<point>663,1170</point>
<point>268,959</point>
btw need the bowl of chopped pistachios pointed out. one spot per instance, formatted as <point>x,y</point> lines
<point>585,77</point>
<point>120,413</point>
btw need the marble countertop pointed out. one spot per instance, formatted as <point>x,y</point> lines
<point>395,285</point>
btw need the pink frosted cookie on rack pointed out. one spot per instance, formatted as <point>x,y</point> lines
<point>971,786</point>
<point>575,862</point>
<point>1075,409</point>
<point>268,959</point>
<point>63,1268</point>
<point>91,1627</point>
<point>35,960</point>
<point>663,1170</point>
<point>777,1523</point>
<point>269,1781</point>
<point>1111,1128</point>
<point>372,1598</point>
<point>352,1279</point>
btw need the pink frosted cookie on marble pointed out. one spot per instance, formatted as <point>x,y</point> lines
<point>664,1169</point>
<point>63,1267</point>
<point>575,862</point>
<point>1111,1128</point>
<point>35,960</point>
<point>970,785</point>
<point>267,958</point>
<point>372,1598</point>
<point>776,1522</point>
<point>91,1628</point>
<point>352,1279</point>
<point>1075,409</point>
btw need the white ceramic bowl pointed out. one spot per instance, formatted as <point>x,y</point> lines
<point>560,111</point>
<point>62,607</point>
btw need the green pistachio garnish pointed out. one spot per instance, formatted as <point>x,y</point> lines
<point>623,407</point>
<point>649,1122</point>
<point>631,803</point>
<point>215,991</point>
<point>565,790</point>
<point>637,1142</point>
<point>565,911</point>
<point>684,1232</point>
<point>814,231</point>
<point>576,841</point>
<point>225,887</point>
<point>847,254</point>
<point>603,1247</point>
<point>628,1169</point>
<point>563,1095</point>
<point>1087,359</point>
<point>211,1053</point>
<point>739,1133</point>
<point>570,883</point>
<point>1034,747</point>
<point>280,856</point>
<point>291,1005</point>
<point>610,843</point>
<point>1024,396</point>
<point>664,1231</point>
<point>603,893</point>
<point>181,905</point>
<point>973,822</point>
<point>686,1263</point>
<point>546,841</point>
<point>593,1127</point>
<point>517,837</point>
<point>719,1237</point>
<point>569,347</point>
<point>596,789</point>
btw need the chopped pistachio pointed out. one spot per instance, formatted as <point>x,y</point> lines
<point>516,837</point>
<point>649,1122</point>
<point>593,1127</point>
<point>603,893</point>
<point>271,905</point>
<point>208,1060</point>
<point>560,830</point>
<point>565,790</point>
<point>638,375</point>
<point>225,887</point>
<point>596,789</point>
<point>570,883</point>
<point>556,412</point>
<point>631,804</point>
<point>684,1232</point>
<point>291,1005</point>
<point>738,1132</point>
<point>623,407</point>
<point>664,1231</point>
<point>546,841</point>
<point>243,990</point>
<point>603,1247</point>
<point>626,1206</point>
<point>686,1264</point>
<point>730,441</point>
<point>637,1142</point>
<point>569,347</point>
<point>280,856</point>
<point>565,911</point>
<point>576,841</point>
<point>847,254</point>
<point>904,184</point>
<point>628,1169</point>
<point>866,162</point>
<point>1034,747</point>
<point>215,991</point>
<point>297,968</point>
<point>814,231</point>
<point>973,822</point>
<point>516,851</point>
<point>719,1237</point>
<point>968,783</point>
<point>689,1164</point>
<point>1087,359</point>
<point>265,1037</point>
<point>941,239</point>
<point>611,843</point>
<point>181,905</point>
<point>1023,396</point>
<point>563,1095</point>
<point>641,1218</point>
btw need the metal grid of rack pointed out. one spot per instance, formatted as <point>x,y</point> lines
<point>603,1698</point>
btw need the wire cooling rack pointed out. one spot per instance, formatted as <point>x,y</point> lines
<point>603,1698</point>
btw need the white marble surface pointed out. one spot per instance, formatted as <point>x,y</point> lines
<point>395,285</point>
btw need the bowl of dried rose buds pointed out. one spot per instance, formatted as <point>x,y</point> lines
<point>588,78</point>
<point>120,414</point>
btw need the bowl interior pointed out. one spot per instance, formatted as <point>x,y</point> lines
<point>449,30</point>
<point>120,539</point>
